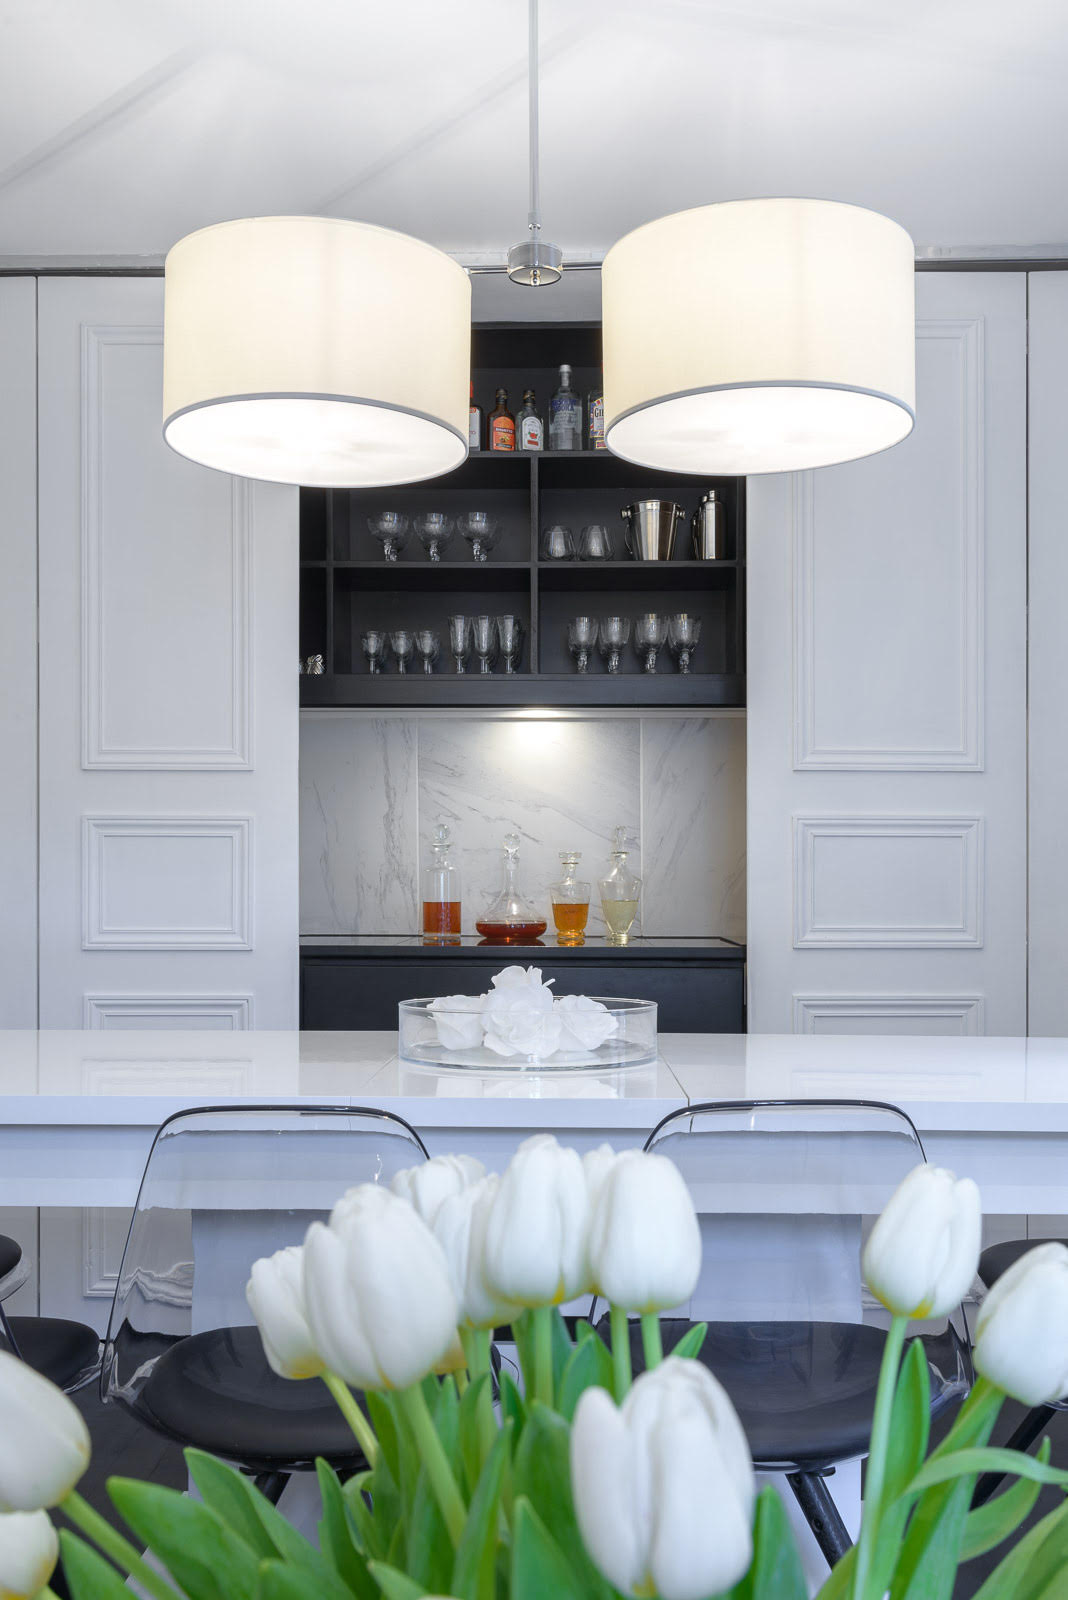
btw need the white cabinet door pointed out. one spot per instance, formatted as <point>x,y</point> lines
<point>168,696</point>
<point>887,704</point>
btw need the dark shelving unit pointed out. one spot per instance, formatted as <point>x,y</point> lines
<point>346,586</point>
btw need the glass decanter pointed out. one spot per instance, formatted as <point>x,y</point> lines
<point>619,892</point>
<point>441,888</point>
<point>571,901</point>
<point>510,918</point>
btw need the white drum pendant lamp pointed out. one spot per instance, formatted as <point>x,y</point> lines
<point>759,336</point>
<point>317,351</point>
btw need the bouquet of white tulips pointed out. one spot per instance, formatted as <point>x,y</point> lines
<point>577,1482</point>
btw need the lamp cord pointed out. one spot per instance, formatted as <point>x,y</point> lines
<point>534,214</point>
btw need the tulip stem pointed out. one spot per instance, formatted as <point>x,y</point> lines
<point>349,1407</point>
<point>880,1439</point>
<point>121,1551</point>
<point>652,1344</point>
<point>541,1319</point>
<point>435,1460</point>
<point>617,1318</point>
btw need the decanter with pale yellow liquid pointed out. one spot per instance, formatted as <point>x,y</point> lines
<point>620,891</point>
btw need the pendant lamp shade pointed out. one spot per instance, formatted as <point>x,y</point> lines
<point>759,336</point>
<point>317,351</point>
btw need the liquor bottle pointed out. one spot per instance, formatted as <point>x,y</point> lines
<point>474,422</point>
<point>565,415</point>
<point>571,902</point>
<point>620,890</point>
<point>501,424</point>
<point>441,889</point>
<point>510,918</point>
<point>595,419</point>
<point>530,429</point>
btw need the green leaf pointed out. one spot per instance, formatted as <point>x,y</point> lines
<point>513,1406</point>
<point>373,1530</point>
<point>776,1572</point>
<point>590,1365</point>
<point>990,1524</point>
<point>205,1557</point>
<point>277,1581</point>
<point>1027,1570</point>
<point>395,1585</point>
<point>910,1422</point>
<point>445,1412</point>
<point>473,1575</point>
<point>476,1405</point>
<point>338,1538</point>
<point>542,1476</point>
<point>539,1568</point>
<point>562,1346</point>
<point>386,1425</point>
<point>972,1462</point>
<point>88,1575</point>
<point>229,1494</point>
<point>691,1344</point>
<point>429,1548</point>
<point>838,1584</point>
<point>936,1575</point>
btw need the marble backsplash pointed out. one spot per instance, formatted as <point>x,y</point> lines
<point>372,787</point>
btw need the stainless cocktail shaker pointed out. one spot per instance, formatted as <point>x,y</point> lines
<point>709,528</point>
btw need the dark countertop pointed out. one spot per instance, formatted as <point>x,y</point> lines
<point>379,946</point>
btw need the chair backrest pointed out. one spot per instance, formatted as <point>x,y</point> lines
<point>222,1186</point>
<point>785,1192</point>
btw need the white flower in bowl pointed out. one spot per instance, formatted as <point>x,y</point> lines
<point>458,1020</point>
<point>585,1023</point>
<point>518,1015</point>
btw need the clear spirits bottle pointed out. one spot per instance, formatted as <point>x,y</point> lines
<point>530,429</point>
<point>441,889</point>
<point>595,419</point>
<point>474,422</point>
<point>510,918</point>
<point>571,902</point>
<point>565,415</point>
<point>620,890</point>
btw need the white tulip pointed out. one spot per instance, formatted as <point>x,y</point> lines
<point>29,1550</point>
<point>460,1229</point>
<point>1021,1334</point>
<point>663,1486</point>
<point>275,1294</point>
<point>44,1443</point>
<point>535,1253</point>
<point>379,1301</point>
<point>923,1252</point>
<point>645,1240</point>
<point>429,1185</point>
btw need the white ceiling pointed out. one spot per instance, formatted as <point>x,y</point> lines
<point>126,123</point>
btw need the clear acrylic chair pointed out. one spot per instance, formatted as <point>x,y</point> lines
<point>221,1187</point>
<point>784,1191</point>
<point>66,1352</point>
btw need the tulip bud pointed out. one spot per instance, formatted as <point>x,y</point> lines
<point>276,1296</point>
<point>29,1550</point>
<point>44,1443</point>
<point>645,1240</point>
<point>663,1486</point>
<point>535,1252</point>
<point>1021,1334</point>
<point>923,1252</point>
<point>429,1185</point>
<point>379,1301</point>
<point>460,1229</point>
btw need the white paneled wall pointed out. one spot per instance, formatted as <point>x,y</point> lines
<point>887,703</point>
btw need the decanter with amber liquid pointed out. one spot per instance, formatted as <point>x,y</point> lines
<point>620,890</point>
<point>441,890</point>
<point>510,918</point>
<point>571,902</point>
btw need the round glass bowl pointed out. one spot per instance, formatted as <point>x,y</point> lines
<point>456,1037</point>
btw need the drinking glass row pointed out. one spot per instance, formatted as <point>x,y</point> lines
<point>434,530</point>
<point>682,633</point>
<point>487,637</point>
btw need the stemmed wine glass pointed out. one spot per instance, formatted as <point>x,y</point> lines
<point>581,639</point>
<point>485,639</point>
<point>684,633</point>
<point>650,631</point>
<point>481,532</point>
<point>428,645</point>
<point>510,634</point>
<point>460,640</point>
<point>391,529</point>
<point>402,644</point>
<point>433,529</point>
<point>614,638</point>
<point>373,645</point>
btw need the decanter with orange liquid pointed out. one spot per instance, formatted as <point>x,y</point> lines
<point>441,889</point>
<point>510,918</point>
<point>571,902</point>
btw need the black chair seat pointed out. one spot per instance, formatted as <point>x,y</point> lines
<point>216,1391</point>
<point>63,1351</point>
<point>10,1255</point>
<point>998,1258</point>
<point>804,1391</point>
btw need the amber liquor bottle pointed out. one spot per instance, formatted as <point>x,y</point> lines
<point>501,424</point>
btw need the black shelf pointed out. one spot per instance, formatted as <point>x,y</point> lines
<point>346,587</point>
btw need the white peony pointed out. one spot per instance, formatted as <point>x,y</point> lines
<point>585,1023</point>
<point>458,1020</point>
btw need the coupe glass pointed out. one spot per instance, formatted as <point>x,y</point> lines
<point>510,634</point>
<point>402,643</point>
<point>428,645</point>
<point>390,528</point>
<point>481,532</point>
<point>484,633</point>
<point>684,633</point>
<point>614,638</point>
<point>557,544</point>
<point>594,543</point>
<point>650,631</point>
<point>373,645</point>
<point>460,640</point>
<point>581,639</point>
<point>433,529</point>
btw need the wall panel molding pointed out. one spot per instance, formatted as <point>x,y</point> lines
<point>104,1231</point>
<point>966,1010</point>
<point>966,754</point>
<point>102,1011</point>
<point>960,924</point>
<point>187,861</point>
<point>99,748</point>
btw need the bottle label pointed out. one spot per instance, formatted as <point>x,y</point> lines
<point>532,434</point>
<point>502,435</point>
<point>474,429</point>
<point>596,431</point>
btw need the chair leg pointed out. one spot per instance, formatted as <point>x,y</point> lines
<point>1032,1425</point>
<point>271,1484</point>
<point>813,1496</point>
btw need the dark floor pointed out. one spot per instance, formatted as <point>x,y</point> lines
<point>123,1447</point>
